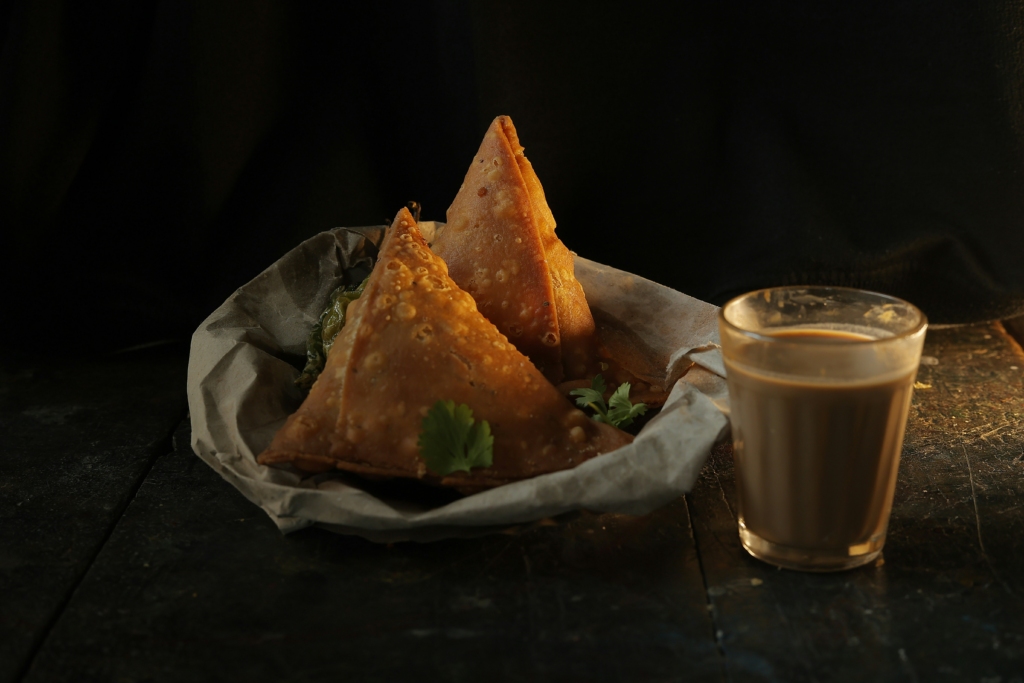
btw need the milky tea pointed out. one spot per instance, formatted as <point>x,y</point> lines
<point>820,381</point>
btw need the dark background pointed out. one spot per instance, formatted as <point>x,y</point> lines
<point>155,156</point>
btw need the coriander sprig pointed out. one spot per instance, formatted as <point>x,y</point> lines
<point>618,412</point>
<point>452,441</point>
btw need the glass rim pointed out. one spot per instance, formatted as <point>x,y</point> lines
<point>922,321</point>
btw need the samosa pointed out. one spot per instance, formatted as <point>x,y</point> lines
<point>500,246</point>
<point>414,339</point>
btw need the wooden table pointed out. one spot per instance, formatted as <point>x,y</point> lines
<point>125,558</point>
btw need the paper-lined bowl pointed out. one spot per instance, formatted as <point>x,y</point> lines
<point>242,368</point>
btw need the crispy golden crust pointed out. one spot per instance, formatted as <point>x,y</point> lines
<point>502,199</point>
<point>575,323</point>
<point>415,338</point>
<point>493,251</point>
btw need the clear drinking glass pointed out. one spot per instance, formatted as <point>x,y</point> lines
<point>820,381</point>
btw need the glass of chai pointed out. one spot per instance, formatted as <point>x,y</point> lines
<point>820,380</point>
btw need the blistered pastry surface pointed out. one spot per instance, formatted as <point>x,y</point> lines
<point>575,322</point>
<point>493,250</point>
<point>415,338</point>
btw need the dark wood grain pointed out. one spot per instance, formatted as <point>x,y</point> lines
<point>197,584</point>
<point>947,601</point>
<point>76,439</point>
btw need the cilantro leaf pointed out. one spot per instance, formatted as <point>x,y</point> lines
<point>621,412</point>
<point>587,397</point>
<point>452,441</point>
<point>479,445</point>
<point>618,412</point>
<point>592,397</point>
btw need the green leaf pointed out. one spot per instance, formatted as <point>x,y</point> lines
<point>621,411</point>
<point>618,412</point>
<point>452,441</point>
<point>620,399</point>
<point>587,397</point>
<point>480,445</point>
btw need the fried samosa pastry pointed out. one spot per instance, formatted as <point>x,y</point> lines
<point>412,339</point>
<point>500,246</point>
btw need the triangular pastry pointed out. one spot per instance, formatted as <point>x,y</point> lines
<point>500,246</point>
<point>575,323</point>
<point>414,338</point>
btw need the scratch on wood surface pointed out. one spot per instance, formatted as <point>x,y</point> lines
<point>977,521</point>
<point>712,617</point>
<point>993,432</point>
<point>721,490</point>
<point>974,500</point>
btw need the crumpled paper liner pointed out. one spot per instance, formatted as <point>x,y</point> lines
<point>243,362</point>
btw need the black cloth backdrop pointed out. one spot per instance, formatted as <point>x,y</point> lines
<point>155,156</point>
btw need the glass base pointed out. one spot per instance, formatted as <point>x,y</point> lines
<point>811,560</point>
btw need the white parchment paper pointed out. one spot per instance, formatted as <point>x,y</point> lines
<point>243,361</point>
